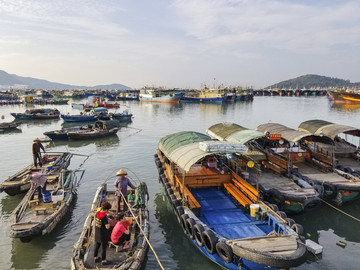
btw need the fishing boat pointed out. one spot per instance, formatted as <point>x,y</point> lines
<point>101,128</point>
<point>133,258</point>
<point>78,117</point>
<point>132,96</point>
<point>37,114</point>
<point>269,174</point>
<point>20,182</point>
<point>219,212</point>
<point>205,95</point>
<point>123,117</point>
<point>8,126</point>
<point>159,95</point>
<point>342,156</point>
<point>36,216</point>
<point>308,164</point>
<point>344,95</point>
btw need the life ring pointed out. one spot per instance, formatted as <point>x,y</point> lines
<point>190,222</point>
<point>183,219</point>
<point>330,191</point>
<point>210,241</point>
<point>224,251</point>
<point>297,228</point>
<point>198,229</point>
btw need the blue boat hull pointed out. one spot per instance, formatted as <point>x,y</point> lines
<point>194,99</point>
<point>78,118</point>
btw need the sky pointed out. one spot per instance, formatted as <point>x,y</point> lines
<point>180,43</point>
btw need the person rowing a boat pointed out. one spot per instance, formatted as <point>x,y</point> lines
<point>121,184</point>
<point>36,147</point>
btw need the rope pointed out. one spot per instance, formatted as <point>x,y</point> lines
<point>341,211</point>
<point>147,240</point>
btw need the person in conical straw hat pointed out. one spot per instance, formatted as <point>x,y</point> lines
<point>36,147</point>
<point>121,183</point>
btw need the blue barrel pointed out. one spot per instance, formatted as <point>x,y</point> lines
<point>46,196</point>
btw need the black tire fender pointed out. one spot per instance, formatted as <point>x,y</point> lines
<point>330,191</point>
<point>274,207</point>
<point>282,214</point>
<point>198,229</point>
<point>210,241</point>
<point>310,204</point>
<point>298,228</point>
<point>183,219</point>
<point>190,222</point>
<point>169,191</point>
<point>224,251</point>
<point>180,211</point>
<point>290,221</point>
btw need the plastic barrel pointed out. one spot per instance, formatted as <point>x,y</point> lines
<point>46,196</point>
<point>254,208</point>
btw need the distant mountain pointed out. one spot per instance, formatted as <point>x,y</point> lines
<point>313,81</point>
<point>14,81</point>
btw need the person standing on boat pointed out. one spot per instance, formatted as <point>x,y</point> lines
<point>36,147</point>
<point>121,184</point>
<point>101,232</point>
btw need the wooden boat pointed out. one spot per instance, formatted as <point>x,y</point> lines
<point>307,164</point>
<point>8,126</point>
<point>217,209</point>
<point>20,182</point>
<point>78,117</point>
<point>109,105</point>
<point>266,172</point>
<point>342,156</point>
<point>344,95</point>
<point>97,132</point>
<point>37,114</point>
<point>35,217</point>
<point>159,95</point>
<point>131,259</point>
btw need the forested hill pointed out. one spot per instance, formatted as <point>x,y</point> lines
<point>311,80</point>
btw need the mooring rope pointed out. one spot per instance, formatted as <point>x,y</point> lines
<point>341,211</point>
<point>147,240</point>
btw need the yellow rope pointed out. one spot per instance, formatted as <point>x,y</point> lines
<point>341,211</point>
<point>147,240</point>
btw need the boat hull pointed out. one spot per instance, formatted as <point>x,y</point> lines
<point>165,99</point>
<point>91,135</point>
<point>78,118</point>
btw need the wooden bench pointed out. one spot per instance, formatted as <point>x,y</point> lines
<point>39,210</point>
<point>238,195</point>
<point>193,203</point>
<point>33,202</point>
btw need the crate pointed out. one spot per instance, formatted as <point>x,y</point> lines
<point>58,195</point>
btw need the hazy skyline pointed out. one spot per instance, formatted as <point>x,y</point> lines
<point>179,43</point>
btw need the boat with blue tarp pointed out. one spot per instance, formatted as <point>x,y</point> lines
<point>221,213</point>
<point>264,171</point>
<point>37,114</point>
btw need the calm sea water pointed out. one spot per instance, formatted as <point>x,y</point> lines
<point>133,150</point>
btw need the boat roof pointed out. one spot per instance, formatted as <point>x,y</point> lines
<point>109,123</point>
<point>289,134</point>
<point>325,128</point>
<point>183,148</point>
<point>232,132</point>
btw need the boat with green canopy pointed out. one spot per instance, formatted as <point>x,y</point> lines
<point>306,163</point>
<point>269,174</point>
<point>343,155</point>
<point>218,211</point>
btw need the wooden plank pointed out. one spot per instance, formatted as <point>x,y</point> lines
<point>246,191</point>
<point>246,184</point>
<point>241,198</point>
<point>194,204</point>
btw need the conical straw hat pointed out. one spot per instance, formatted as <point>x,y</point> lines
<point>121,172</point>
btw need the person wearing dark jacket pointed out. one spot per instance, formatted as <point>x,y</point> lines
<point>101,232</point>
<point>36,147</point>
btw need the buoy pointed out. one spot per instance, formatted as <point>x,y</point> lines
<point>341,244</point>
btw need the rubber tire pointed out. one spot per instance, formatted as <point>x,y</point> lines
<point>183,219</point>
<point>274,207</point>
<point>198,229</point>
<point>167,185</point>
<point>276,196</point>
<point>310,204</point>
<point>210,241</point>
<point>176,203</point>
<point>298,228</point>
<point>290,221</point>
<point>169,191</point>
<point>332,188</point>
<point>224,251</point>
<point>190,222</point>
<point>180,210</point>
<point>282,214</point>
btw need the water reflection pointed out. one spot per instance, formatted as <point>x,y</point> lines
<point>10,131</point>
<point>99,142</point>
<point>9,203</point>
<point>39,122</point>
<point>345,107</point>
<point>179,244</point>
<point>30,255</point>
<point>160,108</point>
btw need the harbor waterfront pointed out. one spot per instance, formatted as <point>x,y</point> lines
<point>133,149</point>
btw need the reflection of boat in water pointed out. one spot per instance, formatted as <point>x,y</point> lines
<point>9,127</point>
<point>100,142</point>
<point>345,106</point>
